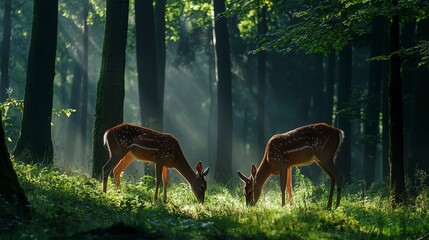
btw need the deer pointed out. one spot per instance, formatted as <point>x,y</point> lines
<point>319,143</point>
<point>127,142</point>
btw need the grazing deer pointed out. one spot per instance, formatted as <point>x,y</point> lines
<point>318,143</point>
<point>127,142</point>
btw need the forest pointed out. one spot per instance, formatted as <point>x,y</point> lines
<point>285,119</point>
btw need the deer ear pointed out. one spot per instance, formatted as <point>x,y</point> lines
<point>205,172</point>
<point>199,167</point>
<point>242,176</point>
<point>253,170</point>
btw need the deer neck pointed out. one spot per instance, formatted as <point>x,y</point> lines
<point>262,175</point>
<point>181,165</point>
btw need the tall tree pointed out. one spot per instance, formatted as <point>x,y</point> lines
<point>147,64</point>
<point>223,77</point>
<point>317,80</point>
<point>374,98</point>
<point>330,81</point>
<point>419,127</point>
<point>84,99</point>
<point>5,49</point>
<point>262,58</point>
<point>15,200</point>
<point>344,94</point>
<point>73,121</point>
<point>160,55</point>
<point>396,136</point>
<point>110,90</point>
<point>34,143</point>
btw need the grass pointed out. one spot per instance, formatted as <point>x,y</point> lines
<point>71,205</point>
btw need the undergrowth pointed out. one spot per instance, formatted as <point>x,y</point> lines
<point>71,205</point>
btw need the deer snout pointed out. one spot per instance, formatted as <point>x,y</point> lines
<point>201,199</point>
<point>250,203</point>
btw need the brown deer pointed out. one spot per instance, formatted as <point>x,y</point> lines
<point>303,146</point>
<point>127,142</point>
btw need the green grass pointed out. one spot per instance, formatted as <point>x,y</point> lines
<point>71,205</point>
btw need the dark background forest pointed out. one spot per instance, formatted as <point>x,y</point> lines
<point>326,75</point>
<point>222,77</point>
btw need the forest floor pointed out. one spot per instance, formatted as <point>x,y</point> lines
<point>72,206</point>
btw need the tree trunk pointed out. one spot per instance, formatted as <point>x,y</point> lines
<point>15,201</point>
<point>211,123</point>
<point>317,112</point>
<point>317,88</point>
<point>69,143</point>
<point>374,100</point>
<point>330,82</point>
<point>147,69</point>
<point>34,144</point>
<point>5,49</point>
<point>407,39</point>
<point>160,56</point>
<point>223,77</point>
<point>396,143</point>
<point>419,127</point>
<point>262,58</point>
<point>63,74</point>
<point>84,100</point>
<point>147,64</point>
<point>344,93</point>
<point>110,90</point>
<point>385,133</point>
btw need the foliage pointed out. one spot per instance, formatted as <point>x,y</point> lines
<point>17,107</point>
<point>420,50</point>
<point>72,205</point>
<point>322,26</point>
<point>188,28</point>
<point>10,103</point>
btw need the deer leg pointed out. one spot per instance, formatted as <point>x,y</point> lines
<point>335,178</point>
<point>328,166</point>
<point>289,184</point>
<point>125,161</point>
<point>283,177</point>
<point>165,181</point>
<point>339,180</point>
<point>107,169</point>
<point>331,189</point>
<point>158,172</point>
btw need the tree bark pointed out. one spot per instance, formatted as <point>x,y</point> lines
<point>69,143</point>
<point>396,140</point>
<point>419,127</point>
<point>5,49</point>
<point>110,90</point>
<point>317,88</point>
<point>344,93</point>
<point>147,64</point>
<point>15,200</point>
<point>34,144</point>
<point>330,82</point>
<point>223,77</point>
<point>262,58</point>
<point>160,56</point>
<point>84,100</point>
<point>372,112</point>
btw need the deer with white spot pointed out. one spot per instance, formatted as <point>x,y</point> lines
<point>127,142</point>
<point>303,146</point>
